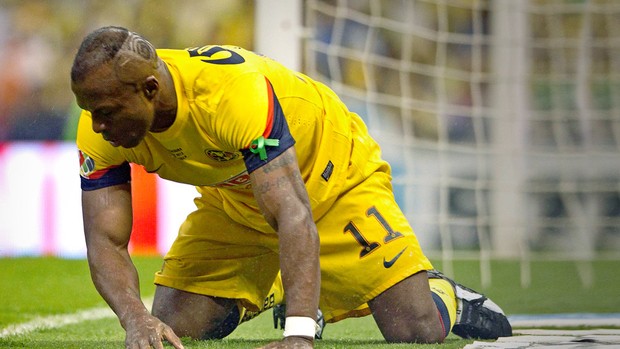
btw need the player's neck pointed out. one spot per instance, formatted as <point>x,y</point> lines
<point>163,120</point>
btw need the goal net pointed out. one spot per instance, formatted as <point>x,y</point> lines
<point>501,119</point>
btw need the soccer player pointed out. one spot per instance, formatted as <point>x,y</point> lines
<point>295,204</point>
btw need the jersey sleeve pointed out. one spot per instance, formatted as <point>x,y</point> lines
<point>249,110</point>
<point>100,163</point>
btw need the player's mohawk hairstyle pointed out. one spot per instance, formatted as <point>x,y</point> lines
<point>97,48</point>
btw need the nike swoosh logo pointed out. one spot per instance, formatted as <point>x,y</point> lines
<point>390,263</point>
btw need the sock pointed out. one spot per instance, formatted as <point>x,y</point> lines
<point>445,299</point>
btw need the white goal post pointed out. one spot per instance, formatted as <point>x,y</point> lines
<point>501,119</point>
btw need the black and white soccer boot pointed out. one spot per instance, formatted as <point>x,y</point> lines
<point>279,319</point>
<point>477,317</point>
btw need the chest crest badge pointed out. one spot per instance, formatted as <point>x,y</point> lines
<point>220,155</point>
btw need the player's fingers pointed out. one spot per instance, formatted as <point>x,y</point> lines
<point>141,344</point>
<point>155,342</point>
<point>172,338</point>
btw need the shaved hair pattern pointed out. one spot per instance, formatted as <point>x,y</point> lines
<point>106,44</point>
<point>140,46</point>
<point>98,47</point>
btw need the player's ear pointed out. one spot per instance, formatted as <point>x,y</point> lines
<point>151,86</point>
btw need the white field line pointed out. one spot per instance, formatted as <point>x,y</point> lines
<point>554,339</point>
<point>56,321</point>
<point>565,320</point>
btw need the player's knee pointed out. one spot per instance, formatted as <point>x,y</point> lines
<point>195,328</point>
<point>406,319</point>
<point>425,331</point>
<point>411,327</point>
<point>226,326</point>
<point>195,316</point>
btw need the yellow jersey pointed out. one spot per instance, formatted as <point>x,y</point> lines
<point>229,98</point>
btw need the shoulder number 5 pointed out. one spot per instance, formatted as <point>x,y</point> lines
<point>209,53</point>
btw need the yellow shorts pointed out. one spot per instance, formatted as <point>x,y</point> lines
<point>367,246</point>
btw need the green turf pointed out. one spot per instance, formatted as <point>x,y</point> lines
<point>555,286</point>
<point>34,287</point>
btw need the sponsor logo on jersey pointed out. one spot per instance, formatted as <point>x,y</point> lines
<point>388,264</point>
<point>238,180</point>
<point>220,155</point>
<point>178,153</point>
<point>87,165</point>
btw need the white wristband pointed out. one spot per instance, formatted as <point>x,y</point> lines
<point>301,326</point>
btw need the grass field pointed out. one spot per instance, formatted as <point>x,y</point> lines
<point>36,290</point>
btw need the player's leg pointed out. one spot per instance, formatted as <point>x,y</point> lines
<point>378,259</point>
<point>224,314</point>
<point>469,313</point>
<point>406,312</point>
<point>476,316</point>
<point>369,254</point>
<point>215,270</point>
<point>195,315</point>
<point>372,262</point>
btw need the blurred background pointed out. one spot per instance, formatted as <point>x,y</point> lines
<point>39,203</point>
<point>38,39</point>
<point>501,119</point>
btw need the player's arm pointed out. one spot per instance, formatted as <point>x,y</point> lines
<point>282,197</point>
<point>107,214</point>
<point>253,121</point>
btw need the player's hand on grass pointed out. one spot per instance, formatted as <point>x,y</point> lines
<point>291,342</point>
<point>147,331</point>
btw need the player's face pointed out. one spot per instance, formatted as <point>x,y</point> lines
<point>121,112</point>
